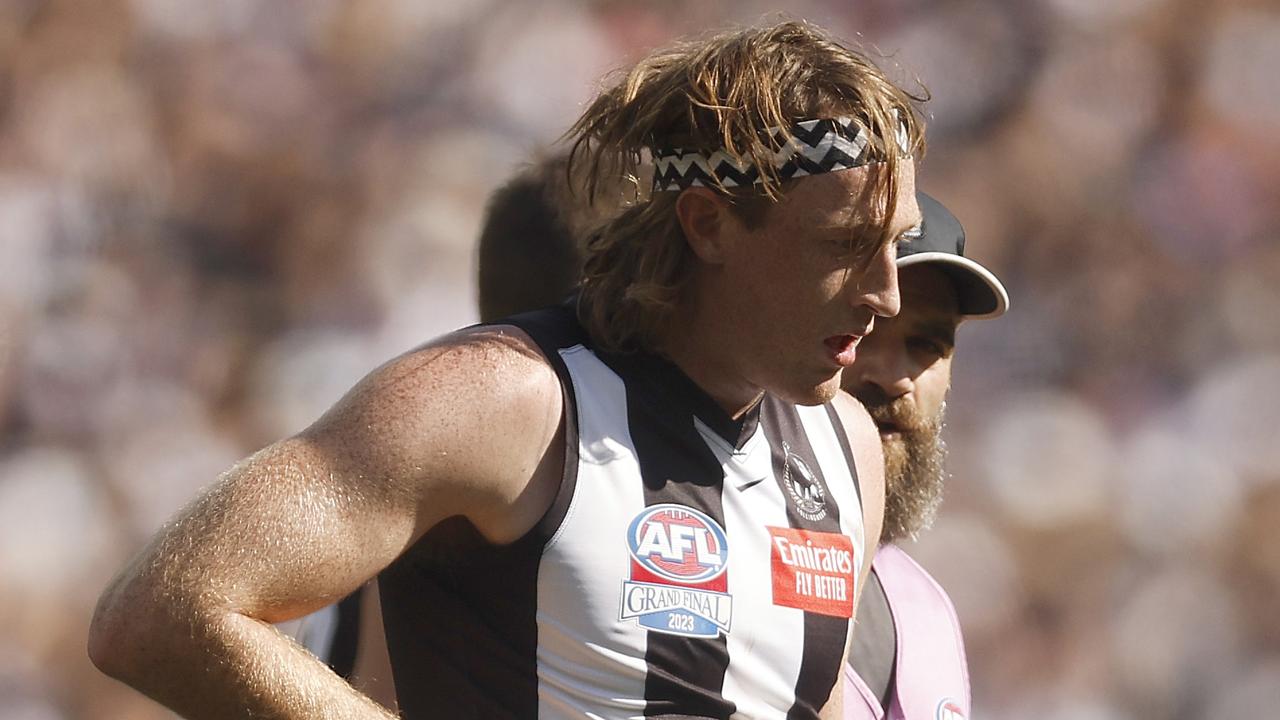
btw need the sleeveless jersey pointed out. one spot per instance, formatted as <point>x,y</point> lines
<point>690,565</point>
<point>931,676</point>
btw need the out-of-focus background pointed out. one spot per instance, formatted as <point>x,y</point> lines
<point>216,216</point>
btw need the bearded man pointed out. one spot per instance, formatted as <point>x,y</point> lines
<point>908,656</point>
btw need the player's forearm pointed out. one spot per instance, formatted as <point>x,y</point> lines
<point>230,666</point>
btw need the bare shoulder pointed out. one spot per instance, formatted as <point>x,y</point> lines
<point>496,370</point>
<point>864,440</point>
<point>466,421</point>
<point>862,432</point>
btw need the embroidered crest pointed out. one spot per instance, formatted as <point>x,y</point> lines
<point>803,486</point>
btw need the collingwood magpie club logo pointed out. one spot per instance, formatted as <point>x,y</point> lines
<point>679,573</point>
<point>803,486</point>
<point>949,709</point>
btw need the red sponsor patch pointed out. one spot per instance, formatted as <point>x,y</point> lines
<point>813,571</point>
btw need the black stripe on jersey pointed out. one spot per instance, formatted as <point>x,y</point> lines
<point>843,437</point>
<point>552,330</point>
<point>461,627</point>
<point>459,612</point>
<point>685,675</point>
<point>824,635</point>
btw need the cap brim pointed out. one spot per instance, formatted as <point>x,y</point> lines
<point>980,292</point>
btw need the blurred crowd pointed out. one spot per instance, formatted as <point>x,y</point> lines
<point>216,216</point>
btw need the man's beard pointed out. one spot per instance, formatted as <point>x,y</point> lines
<point>913,465</point>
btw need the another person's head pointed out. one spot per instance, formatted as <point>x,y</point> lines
<point>531,244</point>
<point>903,369</point>
<point>528,255</point>
<point>783,173</point>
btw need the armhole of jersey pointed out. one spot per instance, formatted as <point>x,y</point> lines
<point>552,330</point>
<point>843,437</point>
<point>950,606</point>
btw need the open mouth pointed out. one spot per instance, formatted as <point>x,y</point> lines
<point>843,348</point>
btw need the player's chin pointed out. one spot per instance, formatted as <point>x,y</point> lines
<point>812,393</point>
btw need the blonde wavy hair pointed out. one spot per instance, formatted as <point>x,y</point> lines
<point>724,91</point>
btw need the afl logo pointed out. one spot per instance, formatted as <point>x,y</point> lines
<point>804,488</point>
<point>949,709</point>
<point>678,543</point>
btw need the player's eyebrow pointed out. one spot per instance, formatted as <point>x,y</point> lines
<point>842,222</point>
<point>914,232</point>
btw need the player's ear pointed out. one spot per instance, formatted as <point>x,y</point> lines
<point>703,214</point>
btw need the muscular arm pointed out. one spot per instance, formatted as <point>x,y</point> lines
<point>864,441</point>
<point>466,426</point>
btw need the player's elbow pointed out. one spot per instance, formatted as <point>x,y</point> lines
<point>109,639</point>
<point>125,633</point>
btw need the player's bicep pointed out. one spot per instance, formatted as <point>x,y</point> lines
<point>305,521</point>
<point>459,428</point>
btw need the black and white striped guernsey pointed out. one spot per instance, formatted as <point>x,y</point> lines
<point>691,565</point>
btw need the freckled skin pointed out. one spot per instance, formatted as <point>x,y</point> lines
<point>470,426</point>
<point>307,520</point>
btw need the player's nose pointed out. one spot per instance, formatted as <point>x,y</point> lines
<point>877,288</point>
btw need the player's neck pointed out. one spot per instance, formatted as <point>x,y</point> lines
<point>698,349</point>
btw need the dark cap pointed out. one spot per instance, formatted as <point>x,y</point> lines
<point>941,243</point>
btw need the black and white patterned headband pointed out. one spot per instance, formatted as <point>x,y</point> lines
<point>814,147</point>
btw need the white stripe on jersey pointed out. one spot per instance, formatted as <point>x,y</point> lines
<point>589,664</point>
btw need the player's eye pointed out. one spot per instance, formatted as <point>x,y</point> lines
<point>927,346</point>
<point>842,246</point>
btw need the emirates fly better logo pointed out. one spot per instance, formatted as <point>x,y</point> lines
<point>813,571</point>
<point>679,580</point>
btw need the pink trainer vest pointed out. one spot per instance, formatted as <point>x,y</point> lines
<point>931,677</point>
